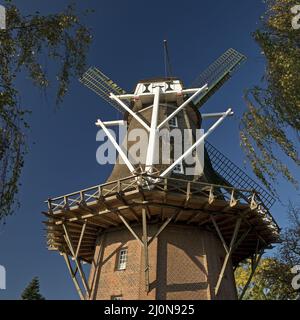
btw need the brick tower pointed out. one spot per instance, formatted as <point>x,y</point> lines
<point>159,230</point>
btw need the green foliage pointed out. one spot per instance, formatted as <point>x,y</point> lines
<point>60,37</point>
<point>273,277</point>
<point>272,281</point>
<point>289,250</point>
<point>32,291</point>
<point>273,113</point>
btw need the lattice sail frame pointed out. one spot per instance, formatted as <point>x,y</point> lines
<point>102,85</point>
<point>218,73</point>
<point>235,176</point>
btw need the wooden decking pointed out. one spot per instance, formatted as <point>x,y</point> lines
<point>82,215</point>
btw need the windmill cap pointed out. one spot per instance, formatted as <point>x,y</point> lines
<point>159,79</point>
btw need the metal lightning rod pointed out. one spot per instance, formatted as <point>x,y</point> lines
<point>168,66</point>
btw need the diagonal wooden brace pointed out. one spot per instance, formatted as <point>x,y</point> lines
<point>73,275</point>
<point>77,262</point>
<point>228,255</point>
<point>254,264</point>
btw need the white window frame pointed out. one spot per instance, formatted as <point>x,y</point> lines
<point>178,168</point>
<point>122,259</point>
<point>173,123</point>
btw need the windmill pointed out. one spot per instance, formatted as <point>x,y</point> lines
<point>152,231</point>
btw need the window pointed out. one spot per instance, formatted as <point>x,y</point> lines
<point>173,123</point>
<point>116,297</point>
<point>122,262</point>
<point>178,168</point>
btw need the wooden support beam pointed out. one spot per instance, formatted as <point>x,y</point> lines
<point>219,234</point>
<point>77,262</point>
<point>211,197</point>
<point>226,221</point>
<point>165,185</point>
<point>188,193</point>
<point>164,205</point>
<point>99,224</point>
<point>228,255</point>
<point>76,232</point>
<point>49,202</point>
<point>144,201</point>
<point>78,226</point>
<point>233,202</point>
<point>254,266</point>
<point>75,281</point>
<point>145,248</point>
<point>148,212</point>
<point>242,215</point>
<point>83,277</point>
<point>161,229</point>
<point>106,220</point>
<point>109,221</point>
<point>178,215</point>
<point>186,201</point>
<point>68,243</point>
<point>129,228</point>
<point>49,215</point>
<point>253,204</point>
<point>80,239</point>
<point>95,265</point>
<point>242,238</point>
<point>90,215</point>
<point>203,222</point>
<point>119,196</point>
<point>194,216</point>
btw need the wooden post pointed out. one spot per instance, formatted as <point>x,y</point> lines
<point>145,248</point>
<point>161,229</point>
<point>81,295</point>
<point>80,239</point>
<point>228,255</point>
<point>243,237</point>
<point>253,269</point>
<point>129,228</point>
<point>219,233</point>
<point>77,262</point>
<point>96,265</point>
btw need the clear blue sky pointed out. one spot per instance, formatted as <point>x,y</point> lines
<point>127,46</point>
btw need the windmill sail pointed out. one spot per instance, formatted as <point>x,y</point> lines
<point>103,86</point>
<point>236,177</point>
<point>217,74</point>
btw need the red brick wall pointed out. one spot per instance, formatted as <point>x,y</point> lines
<point>184,264</point>
<point>130,282</point>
